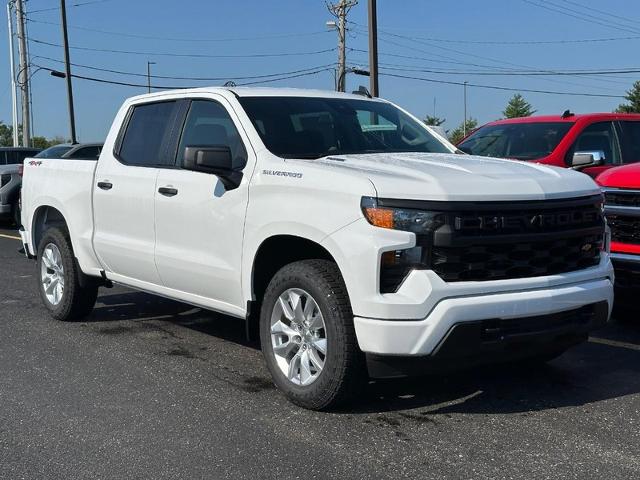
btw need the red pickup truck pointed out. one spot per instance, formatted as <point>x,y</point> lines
<point>621,188</point>
<point>590,143</point>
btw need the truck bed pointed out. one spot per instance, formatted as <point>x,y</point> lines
<point>67,186</point>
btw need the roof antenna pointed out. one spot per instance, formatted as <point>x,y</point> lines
<point>230,83</point>
<point>567,114</point>
<point>362,90</point>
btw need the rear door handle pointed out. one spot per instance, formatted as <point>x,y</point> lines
<point>105,185</point>
<point>168,191</point>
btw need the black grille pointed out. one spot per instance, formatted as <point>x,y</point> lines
<point>621,198</point>
<point>627,277</point>
<point>624,229</point>
<point>516,260</point>
<point>517,240</point>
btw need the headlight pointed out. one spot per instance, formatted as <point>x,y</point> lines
<point>395,265</point>
<point>409,220</point>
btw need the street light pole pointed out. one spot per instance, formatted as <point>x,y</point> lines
<point>67,69</point>
<point>373,48</point>
<point>12,69</point>
<point>149,75</point>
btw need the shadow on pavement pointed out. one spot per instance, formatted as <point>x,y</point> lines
<point>605,368</point>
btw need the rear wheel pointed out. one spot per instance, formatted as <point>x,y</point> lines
<point>308,338</point>
<point>62,292</point>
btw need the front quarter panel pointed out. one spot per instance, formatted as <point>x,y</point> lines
<point>298,198</point>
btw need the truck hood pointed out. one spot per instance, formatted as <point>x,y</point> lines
<point>452,177</point>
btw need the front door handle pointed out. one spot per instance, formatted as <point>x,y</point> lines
<point>105,185</point>
<point>168,191</point>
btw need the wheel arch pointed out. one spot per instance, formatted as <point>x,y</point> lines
<point>272,254</point>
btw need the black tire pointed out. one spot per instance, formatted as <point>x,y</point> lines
<point>77,299</point>
<point>344,372</point>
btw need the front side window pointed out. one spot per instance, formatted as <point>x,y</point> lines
<point>630,141</point>
<point>302,127</point>
<point>208,124</point>
<point>598,137</point>
<point>146,133</point>
<point>520,141</point>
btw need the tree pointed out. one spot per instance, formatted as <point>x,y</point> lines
<point>459,132</point>
<point>633,97</point>
<point>43,142</point>
<point>518,107</point>
<point>434,121</point>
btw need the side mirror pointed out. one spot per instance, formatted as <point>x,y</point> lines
<point>216,160</point>
<point>587,159</point>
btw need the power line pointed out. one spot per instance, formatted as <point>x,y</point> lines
<point>182,87</point>
<point>497,87</point>
<point>603,12</point>
<point>188,55</point>
<point>174,39</point>
<point>580,16</point>
<point>525,73</point>
<point>198,79</point>
<point>411,39</point>
<point>79,4</point>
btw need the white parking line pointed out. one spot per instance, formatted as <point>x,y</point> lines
<point>614,343</point>
<point>10,236</point>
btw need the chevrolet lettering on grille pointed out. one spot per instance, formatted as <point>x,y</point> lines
<point>525,222</point>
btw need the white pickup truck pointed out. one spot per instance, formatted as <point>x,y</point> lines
<point>353,238</point>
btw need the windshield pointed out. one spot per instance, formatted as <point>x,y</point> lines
<point>54,152</point>
<point>522,141</point>
<point>303,127</point>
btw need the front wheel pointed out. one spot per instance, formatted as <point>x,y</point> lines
<point>308,338</point>
<point>62,293</point>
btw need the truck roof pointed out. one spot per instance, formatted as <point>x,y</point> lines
<point>569,119</point>
<point>260,92</point>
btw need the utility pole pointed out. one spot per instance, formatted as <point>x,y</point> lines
<point>149,75</point>
<point>340,11</point>
<point>12,69</point>
<point>373,48</point>
<point>464,125</point>
<point>23,74</point>
<point>67,69</point>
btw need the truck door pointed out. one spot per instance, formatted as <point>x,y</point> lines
<point>199,222</point>
<point>630,140</point>
<point>124,193</point>
<point>598,137</point>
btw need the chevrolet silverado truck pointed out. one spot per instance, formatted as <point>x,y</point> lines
<point>621,188</point>
<point>353,240</point>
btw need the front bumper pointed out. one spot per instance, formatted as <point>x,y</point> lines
<point>422,337</point>
<point>491,341</point>
<point>627,286</point>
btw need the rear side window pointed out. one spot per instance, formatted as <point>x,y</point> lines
<point>86,153</point>
<point>630,141</point>
<point>144,141</point>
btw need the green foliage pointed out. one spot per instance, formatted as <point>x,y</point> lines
<point>6,138</point>
<point>458,134</point>
<point>518,107</point>
<point>633,97</point>
<point>434,121</point>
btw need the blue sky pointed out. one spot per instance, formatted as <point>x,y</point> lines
<point>437,31</point>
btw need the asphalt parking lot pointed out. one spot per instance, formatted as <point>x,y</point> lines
<point>150,388</point>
